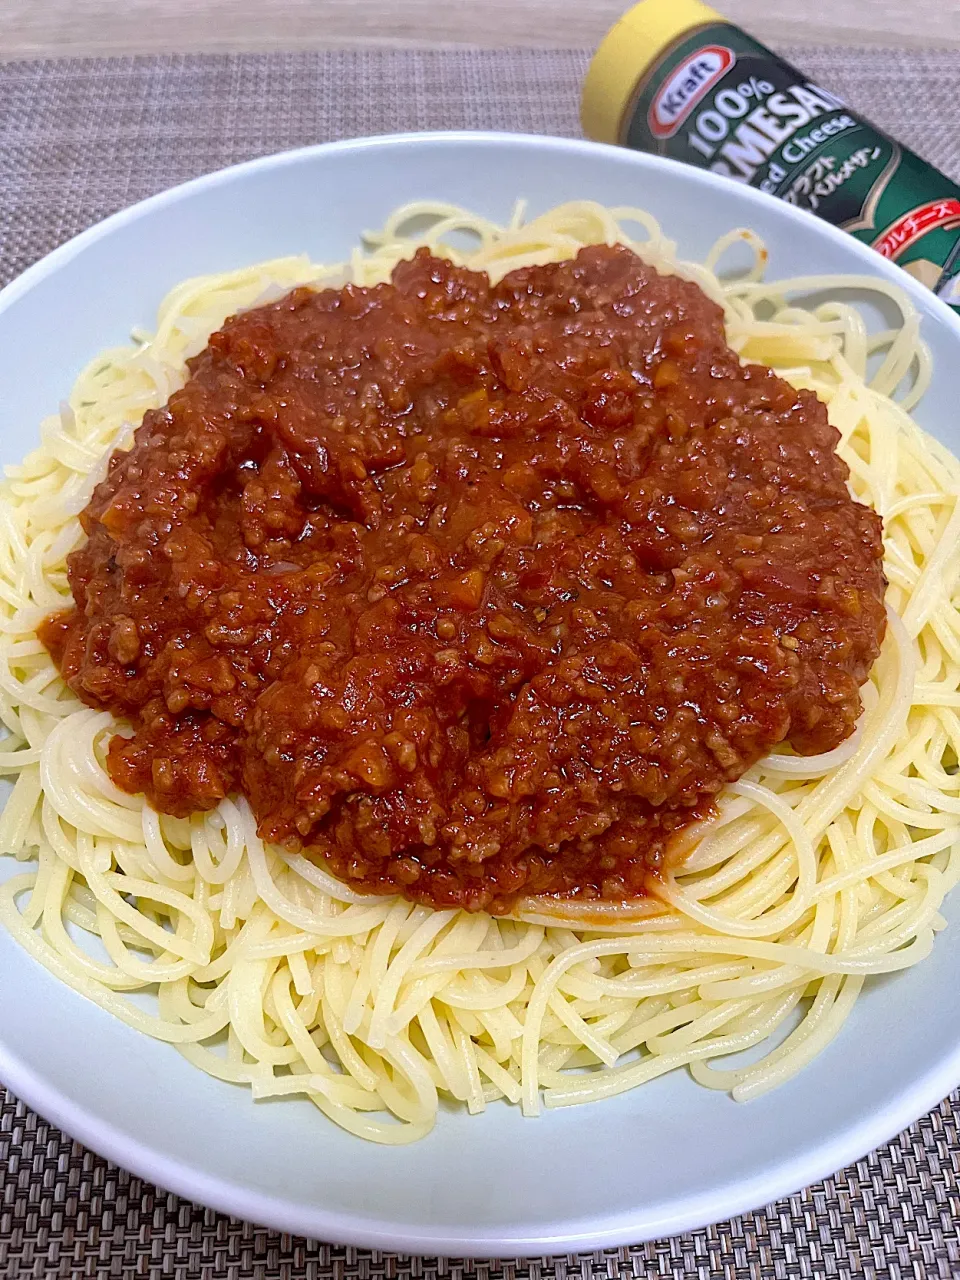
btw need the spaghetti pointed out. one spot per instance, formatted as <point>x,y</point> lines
<point>266,971</point>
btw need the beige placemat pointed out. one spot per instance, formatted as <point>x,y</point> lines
<point>79,139</point>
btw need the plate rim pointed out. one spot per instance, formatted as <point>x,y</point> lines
<point>746,1193</point>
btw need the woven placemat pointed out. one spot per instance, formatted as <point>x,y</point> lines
<point>79,139</point>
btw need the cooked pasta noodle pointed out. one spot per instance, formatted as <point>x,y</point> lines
<point>268,972</point>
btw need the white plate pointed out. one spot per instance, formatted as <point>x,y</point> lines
<point>670,1156</point>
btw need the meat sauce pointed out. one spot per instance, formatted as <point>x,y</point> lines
<point>474,590</point>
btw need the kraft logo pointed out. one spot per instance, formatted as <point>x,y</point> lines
<point>689,84</point>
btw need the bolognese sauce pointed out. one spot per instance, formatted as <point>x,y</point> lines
<point>474,590</point>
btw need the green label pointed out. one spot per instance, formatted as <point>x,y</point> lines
<point>719,100</point>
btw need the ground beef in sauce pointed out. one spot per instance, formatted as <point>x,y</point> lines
<point>474,590</point>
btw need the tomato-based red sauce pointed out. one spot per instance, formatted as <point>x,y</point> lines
<point>474,590</point>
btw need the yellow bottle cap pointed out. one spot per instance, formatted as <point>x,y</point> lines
<point>625,54</point>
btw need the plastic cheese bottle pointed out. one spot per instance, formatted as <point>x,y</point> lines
<point>674,78</point>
